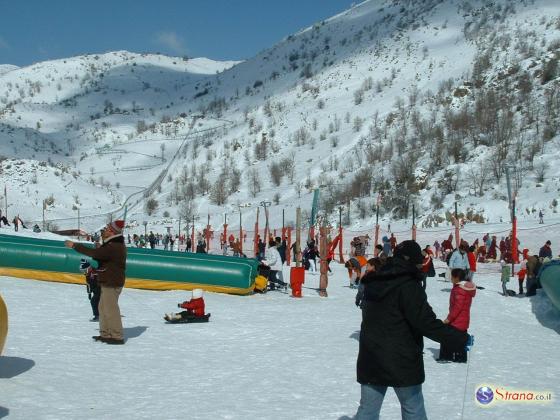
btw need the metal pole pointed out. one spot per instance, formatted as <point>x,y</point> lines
<point>240,233</point>
<point>256,235</point>
<point>192,236</point>
<point>6,200</point>
<point>324,278</point>
<point>44,215</point>
<point>413,222</point>
<point>225,229</point>
<point>266,228</point>
<point>79,233</point>
<point>208,235</point>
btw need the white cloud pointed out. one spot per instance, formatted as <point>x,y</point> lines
<point>171,41</point>
<point>3,44</point>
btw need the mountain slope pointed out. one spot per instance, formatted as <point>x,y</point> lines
<point>423,102</point>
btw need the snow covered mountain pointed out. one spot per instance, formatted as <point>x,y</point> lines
<point>424,102</point>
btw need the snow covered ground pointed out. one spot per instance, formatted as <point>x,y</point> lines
<point>261,357</point>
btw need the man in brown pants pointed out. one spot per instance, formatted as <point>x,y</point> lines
<point>111,259</point>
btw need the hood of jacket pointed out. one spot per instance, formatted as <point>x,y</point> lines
<point>390,277</point>
<point>467,286</point>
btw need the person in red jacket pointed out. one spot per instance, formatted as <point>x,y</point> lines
<point>194,307</point>
<point>472,262</point>
<point>460,301</point>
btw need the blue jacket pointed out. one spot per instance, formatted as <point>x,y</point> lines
<point>459,260</point>
<point>387,250</point>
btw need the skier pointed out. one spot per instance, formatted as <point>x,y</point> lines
<point>546,250</point>
<point>533,267</point>
<point>521,275</point>
<point>373,264</point>
<point>393,241</point>
<point>111,259</point>
<point>310,257</point>
<point>459,259</point>
<point>152,240</point>
<point>396,315</point>
<point>506,273</point>
<point>472,263</point>
<point>273,261</point>
<point>437,247</point>
<point>541,217</point>
<point>387,249</point>
<point>354,271</point>
<point>460,300</point>
<point>492,253</point>
<point>261,247</point>
<point>427,269</point>
<point>201,247</point>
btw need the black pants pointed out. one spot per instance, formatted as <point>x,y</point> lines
<point>424,277</point>
<point>520,286</point>
<point>94,297</point>
<point>531,286</point>
<point>453,356</point>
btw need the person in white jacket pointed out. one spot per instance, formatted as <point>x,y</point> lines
<point>272,259</point>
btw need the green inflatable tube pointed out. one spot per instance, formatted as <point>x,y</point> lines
<point>549,276</point>
<point>44,259</point>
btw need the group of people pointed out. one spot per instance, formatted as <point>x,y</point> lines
<point>17,222</point>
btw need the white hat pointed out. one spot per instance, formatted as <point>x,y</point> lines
<point>197,293</point>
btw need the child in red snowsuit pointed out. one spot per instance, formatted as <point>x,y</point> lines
<point>459,316</point>
<point>194,307</point>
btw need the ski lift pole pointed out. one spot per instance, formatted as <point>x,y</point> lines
<point>240,233</point>
<point>256,235</point>
<point>340,236</point>
<point>208,235</point>
<point>457,236</point>
<point>413,222</point>
<point>324,278</point>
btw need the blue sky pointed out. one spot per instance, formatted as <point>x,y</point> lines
<point>37,30</point>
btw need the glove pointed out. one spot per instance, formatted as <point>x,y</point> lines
<point>470,342</point>
<point>84,265</point>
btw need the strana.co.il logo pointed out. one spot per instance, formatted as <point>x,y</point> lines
<point>484,395</point>
<point>489,394</point>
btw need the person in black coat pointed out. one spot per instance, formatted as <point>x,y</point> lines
<point>395,318</point>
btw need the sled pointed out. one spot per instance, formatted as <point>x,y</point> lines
<point>189,320</point>
<point>3,324</point>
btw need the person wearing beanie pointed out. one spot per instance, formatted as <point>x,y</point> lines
<point>111,266</point>
<point>395,318</point>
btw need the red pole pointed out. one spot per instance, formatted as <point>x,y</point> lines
<point>288,246</point>
<point>413,232</point>
<point>376,237</point>
<point>225,234</point>
<point>340,241</point>
<point>312,233</point>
